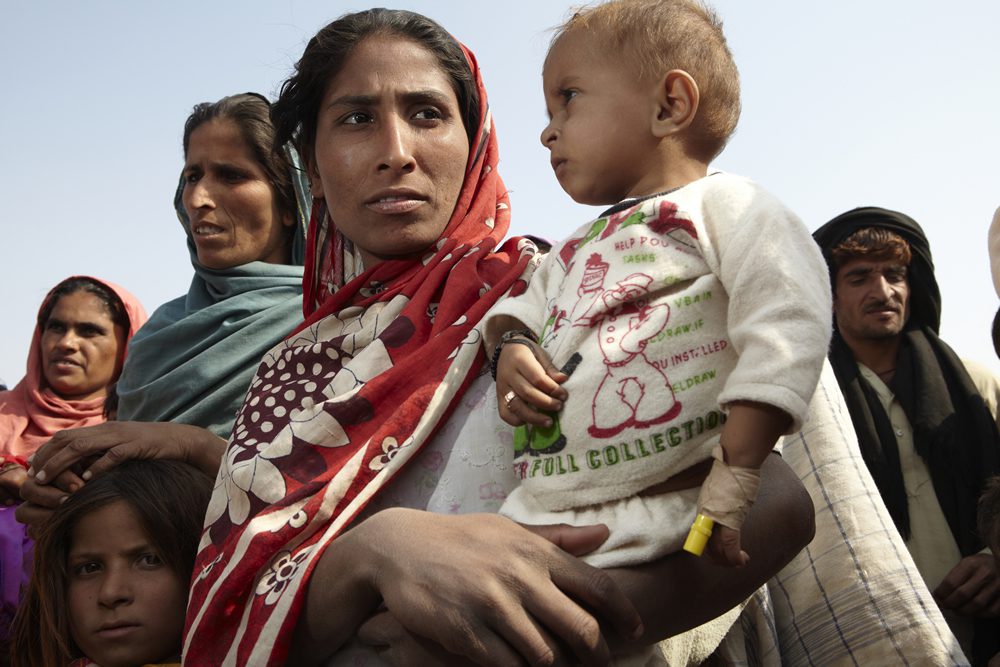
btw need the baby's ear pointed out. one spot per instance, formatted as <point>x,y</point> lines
<point>677,98</point>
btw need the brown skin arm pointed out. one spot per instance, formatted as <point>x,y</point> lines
<point>750,433</point>
<point>110,443</point>
<point>478,585</point>
<point>780,524</point>
<point>747,439</point>
<point>64,463</point>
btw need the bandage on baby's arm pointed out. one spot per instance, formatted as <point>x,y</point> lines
<point>730,489</point>
<point>726,497</point>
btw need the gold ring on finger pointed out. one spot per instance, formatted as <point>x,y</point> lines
<point>509,398</point>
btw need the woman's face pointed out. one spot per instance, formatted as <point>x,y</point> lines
<point>81,347</point>
<point>230,202</point>
<point>391,149</point>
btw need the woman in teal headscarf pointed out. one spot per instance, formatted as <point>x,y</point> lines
<point>245,217</point>
<point>244,209</point>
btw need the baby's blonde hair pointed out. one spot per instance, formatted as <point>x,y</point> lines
<point>656,36</point>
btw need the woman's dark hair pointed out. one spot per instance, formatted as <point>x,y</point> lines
<point>296,110</point>
<point>116,309</point>
<point>252,114</point>
<point>169,498</point>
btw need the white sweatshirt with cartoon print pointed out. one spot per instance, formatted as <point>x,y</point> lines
<point>664,312</point>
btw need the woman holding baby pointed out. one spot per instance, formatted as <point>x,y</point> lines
<point>354,515</point>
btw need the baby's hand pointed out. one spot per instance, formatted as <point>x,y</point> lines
<point>724,547</point>
<point>527,382</point>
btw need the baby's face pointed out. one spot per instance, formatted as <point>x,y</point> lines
<point>126,607</point>
<point>600,136</point>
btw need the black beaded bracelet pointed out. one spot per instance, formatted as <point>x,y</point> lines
<point>519,336</point>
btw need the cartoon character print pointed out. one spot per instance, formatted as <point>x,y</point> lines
<point>555,321</point>
<point>633,392</point>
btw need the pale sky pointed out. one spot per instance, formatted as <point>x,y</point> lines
<point>844,104</point>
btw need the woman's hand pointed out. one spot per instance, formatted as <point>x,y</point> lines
<point>479,586</point>
<point>397,646</point>
<point>11,480</point>
<point>385,634</point>
<point>475,582</point>
<point>73,456</point>
<point>114,442</point>
<point>972,587</point>
<point>41,500</point>
<point>496,593</point>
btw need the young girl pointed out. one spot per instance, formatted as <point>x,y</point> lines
<point>112,566</point>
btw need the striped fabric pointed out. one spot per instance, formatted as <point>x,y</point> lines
<point>853,596</point>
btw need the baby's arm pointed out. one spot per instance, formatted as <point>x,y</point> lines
<point>526,380</point>
<point>779,322</point>
<point>730,489</point>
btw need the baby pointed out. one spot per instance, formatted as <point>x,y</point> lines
<point>681,333</point>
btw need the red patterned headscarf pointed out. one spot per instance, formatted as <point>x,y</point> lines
<point>341,406</point>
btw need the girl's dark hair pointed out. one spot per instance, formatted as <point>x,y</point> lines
<point>252,114</point>
<point>296,110</point>
<point>168,497</point>
<point>116,309</point>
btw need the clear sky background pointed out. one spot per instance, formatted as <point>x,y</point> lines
<point>845,104</point>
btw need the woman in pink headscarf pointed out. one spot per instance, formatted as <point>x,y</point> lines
<point>84,325</point>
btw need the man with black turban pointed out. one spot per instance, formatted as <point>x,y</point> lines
<point>926,432</point>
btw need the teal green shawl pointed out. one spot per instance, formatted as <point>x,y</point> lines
<point>194,359</point>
